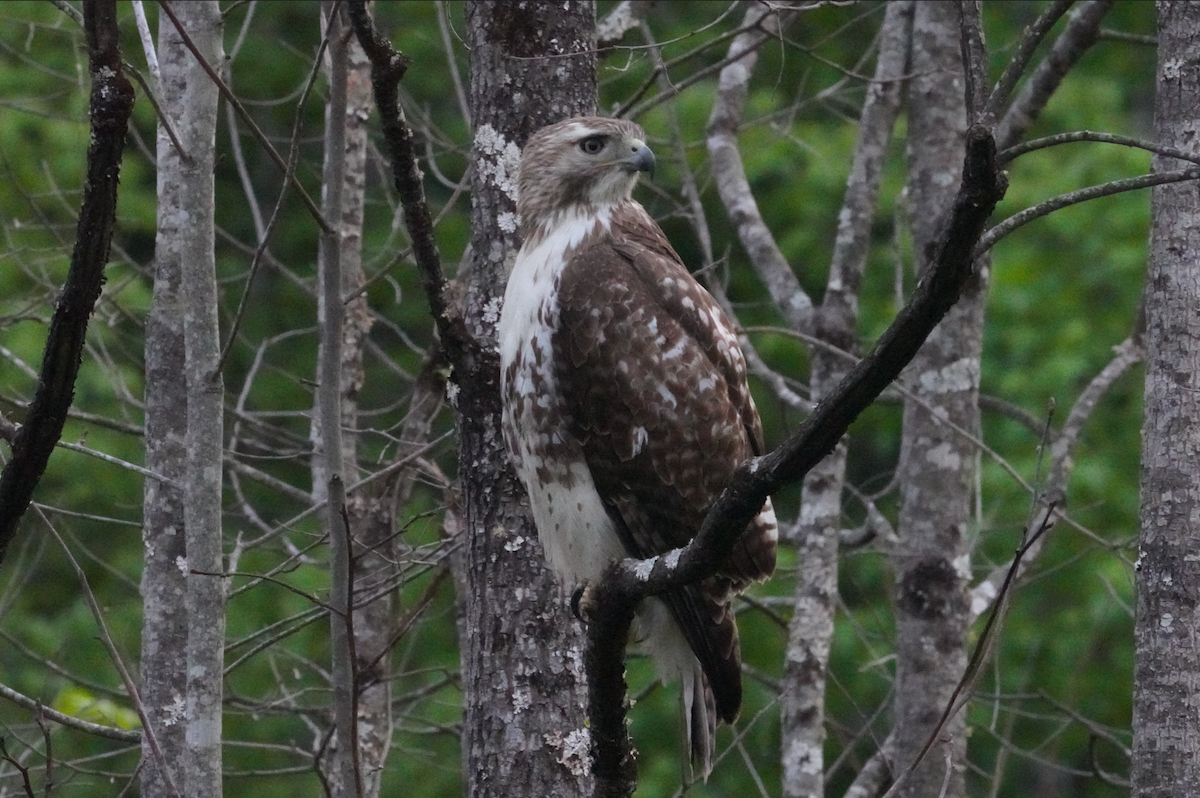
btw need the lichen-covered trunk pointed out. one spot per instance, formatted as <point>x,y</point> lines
<point>1166,714</point>
<point>186,237</point>
<point>164,585</point>
<point>932,559</point>
<point>523,681</point>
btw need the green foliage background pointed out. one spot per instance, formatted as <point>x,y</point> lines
<point>1053,708</point>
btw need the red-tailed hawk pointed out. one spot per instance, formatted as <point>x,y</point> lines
<point>626,407</point>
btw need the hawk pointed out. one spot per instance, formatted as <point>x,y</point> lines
<point>625,403</point>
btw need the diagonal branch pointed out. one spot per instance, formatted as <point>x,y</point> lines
<point>610,603</point>
<point>387,69</point>
<point>111,104</point>
<point>237,106</point>
<point>760,23</point>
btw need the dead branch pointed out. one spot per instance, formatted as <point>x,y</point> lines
<point>609,603</point>
<point>110,106</point>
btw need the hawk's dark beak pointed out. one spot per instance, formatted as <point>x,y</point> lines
<point>642,158</point>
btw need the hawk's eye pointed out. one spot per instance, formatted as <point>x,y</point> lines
<point>592,145</point>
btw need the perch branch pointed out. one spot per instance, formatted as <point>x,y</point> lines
<point>610,602</point>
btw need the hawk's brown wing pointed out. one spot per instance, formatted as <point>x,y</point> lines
<point>654,384</point>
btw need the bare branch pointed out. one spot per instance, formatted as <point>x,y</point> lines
<point>1014,152</point>
<point>387,69</point>
<point>609,604</point>
<point>1126,354</point>
<point>236,104</point>
<point>1026,216</point>
<point>1080,33</point>
<point>974,60</point>
<point>115,655</point>
<point>1031,38</point>
<point>70,721</point>
<point>110,106</point>
<point>760,22</point>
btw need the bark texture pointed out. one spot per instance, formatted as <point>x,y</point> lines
<point>1166,713</point>
<point>190,101</point>
<point>810,631</point>
<point>932,559</point>
<point>523,731</point>
<point>164,583</point>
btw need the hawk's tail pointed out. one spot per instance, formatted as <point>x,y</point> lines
<point>666,631</point>
<point>700,716</point>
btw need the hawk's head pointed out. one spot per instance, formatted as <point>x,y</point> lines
<point>581,164</point>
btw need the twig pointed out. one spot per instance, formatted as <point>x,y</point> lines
<point>118,661</point>
<point>1127,353</point>
<point>264,233</point>
<point>24,771</point>
<point>1014,152</point>
<point>987,641</point>
<point>1080,33</point>
<point>730,173</point>
<point>1031,37</point>
<point>387,69</point>
<point>989,239</point>
<point>70,721</point>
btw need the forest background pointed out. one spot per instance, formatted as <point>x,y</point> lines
<point>1050,713</point>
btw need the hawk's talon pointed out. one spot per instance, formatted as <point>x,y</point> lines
<point>576,600</point>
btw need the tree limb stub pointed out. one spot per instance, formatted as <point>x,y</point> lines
<point>110,107</point>
<point>609,603</point>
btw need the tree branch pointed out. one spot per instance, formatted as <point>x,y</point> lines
<point>70,721</point>
<point>387,69</point>
<point>110,106</point>
<point>609,603</point>
<point>989,239</point>
<point>730,174</point>
<point>1081,32</point>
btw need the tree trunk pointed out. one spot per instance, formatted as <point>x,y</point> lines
<point>190,100</point>
<point>810,633</point>
<point>937,464</point>
<point>525,692</point>
<point>164,584</point>
<point>1166,714</point>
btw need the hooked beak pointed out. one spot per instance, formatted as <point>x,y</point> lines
<point>641,157</point>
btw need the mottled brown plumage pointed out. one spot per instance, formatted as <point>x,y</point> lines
<point>626,407</point>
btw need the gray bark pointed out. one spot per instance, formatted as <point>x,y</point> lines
<point>1166,715</point>
<point>932,557</point>
<point>372,519</point>
<point>523,681</point>
<point>164,585</point>
<point>343,766</point>
<point>374,567</point>
<point>191,102</point>
<point>810,633</point>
